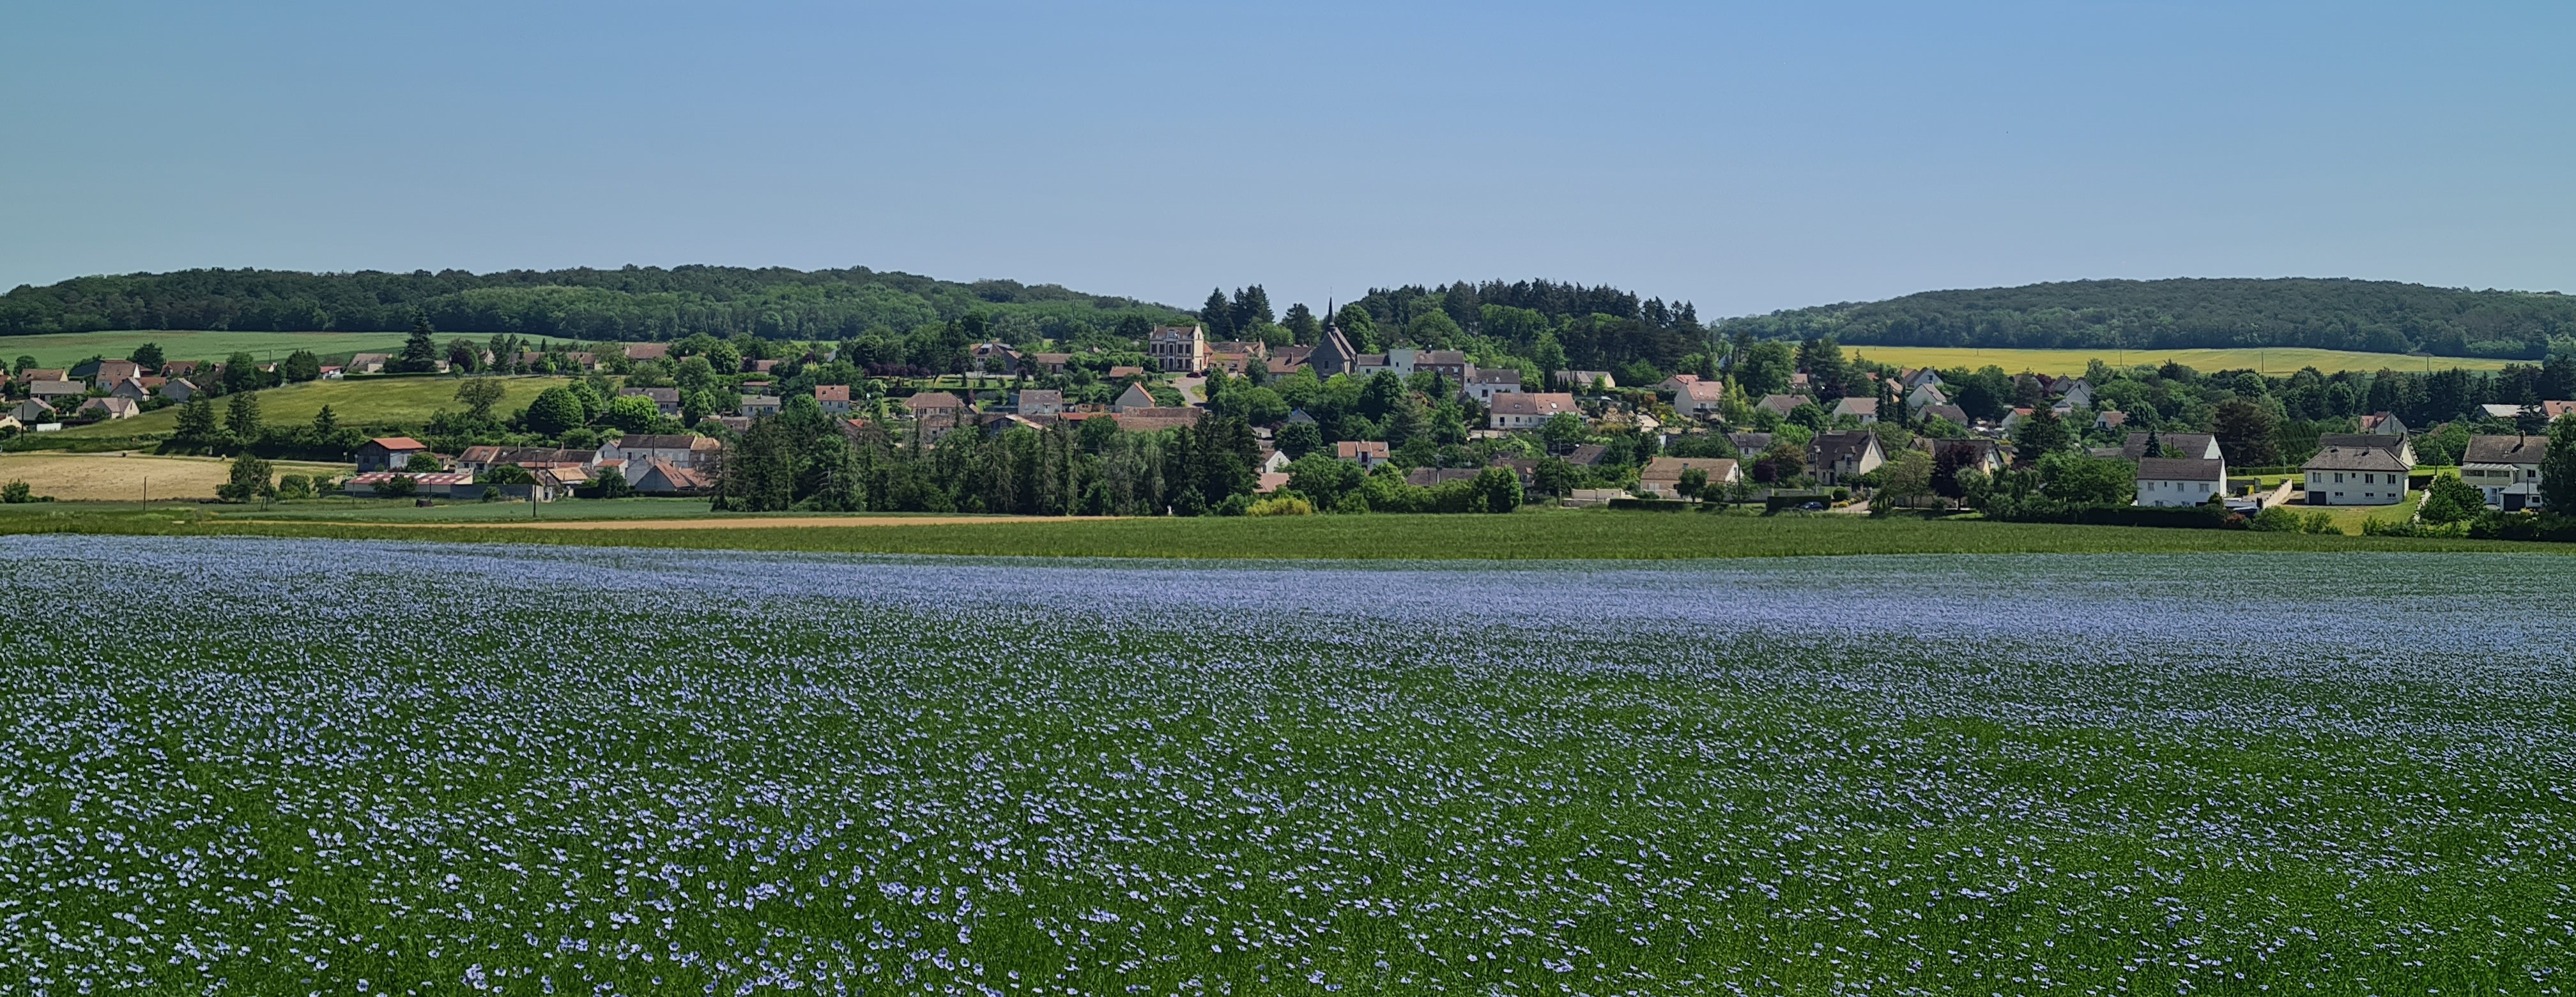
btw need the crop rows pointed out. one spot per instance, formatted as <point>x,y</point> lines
<point>264,767</point>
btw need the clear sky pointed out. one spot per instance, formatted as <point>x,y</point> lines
<point>1746,157</point>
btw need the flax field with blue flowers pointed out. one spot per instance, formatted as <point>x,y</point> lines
<point>262,766</point>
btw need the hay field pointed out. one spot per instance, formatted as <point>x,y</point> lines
<point>110,477</point>
<point>2276,361</point>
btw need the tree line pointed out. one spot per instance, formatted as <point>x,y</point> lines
<point>2374,316</point>
<point>631,303</point>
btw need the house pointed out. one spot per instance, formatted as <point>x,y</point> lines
<point>748,366</point>
<point>1241,347</point>
<point>755,406</point>
<point>1700,399</point>
<point>1483,385</point>
<point>1927,394</point>
<point>1864,409</point>
<point>2180,481</point>
<point>182,368</point>
<point>686,451</point>
<point>33,410</point>
<point>1233,364</point>
<point>1918,377</point>
<point>1151,419</point>
<point>1527,409</point>
<point>1135,398</point>
<point>1780,405</point>
<point>334,372</point>
<point>1298,416</point>
<point>1836,458</point>
<point>648,351</point>
<point>2503,412</point>
<point>1587,455</point>
<point>1673,385</point>
<point>833,398</point>
<point>1583,380</point>
<point>40,375</point>
<point>2110,420</point>
<point>1661,477</point>
<point>1035,402</point>
<point>107,371</point>
<point>368,363</point>
<point>1052,363</point>
<point>1801,384</point>
<point>2401,447</point>
<point>439,484</point>
<point>1749,443</point>
<point>934,403</point>
<point>2012,420</point>
<point>995,358</point>
<point>389,453</point>
<point>578,360</point>
<point>2340,475</point>
<point>110,408</point>
<point>2384,424</point>
<point>1951,414</point>
<point>1367,454</point>
<point>1179,349</point>
<point>1117,374</point>
<point>1368,365</point>
<point>665,400</point>
<point>55,391</point>
<point>1451,364</point>
<point>1275,460</point>
<point>2506,468</point>
<point>2198,445</point>
<point>2078,394</point>
<point>1281,366</point>
<point>661,477</point>
<point>133,389</point>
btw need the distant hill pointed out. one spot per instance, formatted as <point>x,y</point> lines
<point>2378,316</point>
<point>633,303</point>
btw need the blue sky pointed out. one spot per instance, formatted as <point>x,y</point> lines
<point>1746,157</point>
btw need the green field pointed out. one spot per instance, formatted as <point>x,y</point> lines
<point>335,768</point>
<point>2277,362</point>
<point>1534,535</point>
<point>361,402</point>
<point>65,349</point>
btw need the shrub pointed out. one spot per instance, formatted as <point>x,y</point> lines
<point>2277,519</point>
<point>17,493</point>
<point>2319,521</point>
<point>400,486</point>
<point>1284,505</point>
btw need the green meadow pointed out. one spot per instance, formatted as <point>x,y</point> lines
<point>360,402</point>
<point>67,348</point>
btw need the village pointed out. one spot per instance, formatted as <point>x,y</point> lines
<point>657,419</point>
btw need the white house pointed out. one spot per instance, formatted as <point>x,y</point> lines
<point>1366,453</point>
<point>1864,409</point>
<point>2354,476</point>
<point>2178,481</point>
<point>681,450</point>
<point>1926,394</point>
<point>1179,349</point>
<point>1661,477</point>
<point>1528,409</point>
<point>1484,384</point>
<point>2506,468</point>
<point>1700,399</point>
<point>755,406</point>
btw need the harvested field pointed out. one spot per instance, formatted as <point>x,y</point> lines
<point>125,477</point>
